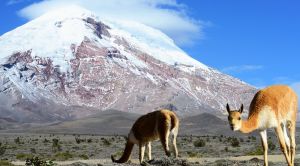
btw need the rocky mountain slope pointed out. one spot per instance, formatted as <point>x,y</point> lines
<point>70,58</point>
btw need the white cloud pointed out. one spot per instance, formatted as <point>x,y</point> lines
<point>12,2</point>
<point>240,69</point>
<point>167,15</point>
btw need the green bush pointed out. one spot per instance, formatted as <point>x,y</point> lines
<point>253,138</point>
<point>63,156</point>
<point>192,154</point>
<point>199,143</point>
<point>36,161</point>
<point>257,151</point>
<point>23,156</point>
<point>5,163</point>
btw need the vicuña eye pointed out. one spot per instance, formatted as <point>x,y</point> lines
<point>239,118</point>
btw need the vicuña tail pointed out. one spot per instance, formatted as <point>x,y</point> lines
<point>174,122</point>
<point>126,153</point>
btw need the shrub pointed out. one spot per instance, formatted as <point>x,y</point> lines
<point>235,142</point>
<point>2,149</point>
<point>207,139</point>
<point>17,140</point>
<point>241,140</point>
<point>199,143</point>
<point>271,145</point>
<point>77,140</point>
<point>226,149</point>
<point>36,161</point>
<point>46,140</point>
<point>56,145</point>
<point>32,150</point>
<point>89,140</point>
<point>106,142</point>
<point>84,156</point>
<point>220,139</point>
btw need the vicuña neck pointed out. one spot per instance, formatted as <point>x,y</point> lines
<point>248,125</point>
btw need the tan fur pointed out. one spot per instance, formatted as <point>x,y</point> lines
<point>272,107</point>
<point>152,126</point>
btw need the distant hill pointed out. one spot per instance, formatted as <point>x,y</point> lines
<point>114,122</point>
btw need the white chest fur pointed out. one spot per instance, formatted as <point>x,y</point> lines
<point>267,118</point>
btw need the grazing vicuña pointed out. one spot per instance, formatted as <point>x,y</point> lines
<point>152,126</point>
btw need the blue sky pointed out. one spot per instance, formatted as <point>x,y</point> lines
<point>257,41</point>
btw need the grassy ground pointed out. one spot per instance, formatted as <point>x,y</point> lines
<point>200,150</point>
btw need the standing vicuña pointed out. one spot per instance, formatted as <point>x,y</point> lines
<point>152,126</point>
<point>272,107</point>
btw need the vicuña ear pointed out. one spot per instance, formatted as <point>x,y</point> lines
<point>228,108</point>
<point>242,108</point>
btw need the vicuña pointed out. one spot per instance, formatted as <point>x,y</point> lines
<point>272,107</point>
<point>152,126</point>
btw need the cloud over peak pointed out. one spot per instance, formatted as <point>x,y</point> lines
<point>242,68</point>
<point>169,16</point>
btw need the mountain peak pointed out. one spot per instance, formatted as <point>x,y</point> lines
<point>64,26</point>
<point>71,57</point>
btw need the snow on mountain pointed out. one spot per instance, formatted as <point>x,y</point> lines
<point>44,36</point>
<point>73,58</point>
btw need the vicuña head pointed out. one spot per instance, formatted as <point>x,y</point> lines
<point>152,126</point>
<point>272,107</point>
<point>235,118</point>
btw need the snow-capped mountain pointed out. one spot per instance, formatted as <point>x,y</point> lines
<point>71,57</point>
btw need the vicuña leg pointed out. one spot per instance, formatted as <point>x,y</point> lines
<point>292,130</point>
<point>264,141</point>
<point>164,138</point>
<point>286,138</point>
<point>142,152</point>
<point>283,147</point>
<point>149,150</point>
<point>175,132</point>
